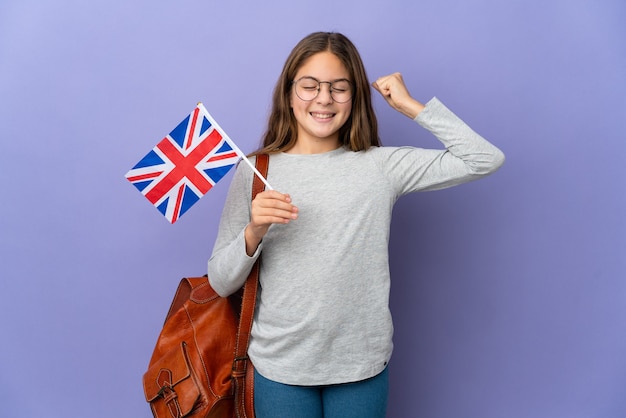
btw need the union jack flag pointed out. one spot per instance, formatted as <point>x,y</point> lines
<point>185,164</point>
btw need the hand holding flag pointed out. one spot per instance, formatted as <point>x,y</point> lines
<point>184,166</point>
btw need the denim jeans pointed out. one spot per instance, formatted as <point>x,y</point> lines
<point>363,399</point>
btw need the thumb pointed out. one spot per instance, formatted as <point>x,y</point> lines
<point>384,91</point>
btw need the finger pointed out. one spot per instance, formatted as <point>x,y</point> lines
<point>272,207</point>
<point>273,194</point>
<point>381,86</point>
<point>286,212</point>
<point>273,200</point>
<point>272,217</point>
<point>389,80</point>
<point>384,85</point>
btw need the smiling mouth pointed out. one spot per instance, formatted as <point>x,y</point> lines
<point>322,115</point>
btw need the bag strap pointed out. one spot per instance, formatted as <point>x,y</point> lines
<point>248,302</point>
<point>262,162</point>
<point>252,283</point>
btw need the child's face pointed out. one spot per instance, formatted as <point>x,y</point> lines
<point>320,119</point>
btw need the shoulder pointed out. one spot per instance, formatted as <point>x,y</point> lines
<point>384,155</point>
<point>242,179</point>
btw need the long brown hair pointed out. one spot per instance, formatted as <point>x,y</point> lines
<point>360,130</point>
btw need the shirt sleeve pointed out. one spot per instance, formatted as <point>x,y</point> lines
<point>229,265</point>
<point>467,155</point>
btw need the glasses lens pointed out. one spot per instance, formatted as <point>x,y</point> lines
<point>341,91</point>
<point>307,89</point>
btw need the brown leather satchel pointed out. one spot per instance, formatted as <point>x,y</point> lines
<point>199,367</point>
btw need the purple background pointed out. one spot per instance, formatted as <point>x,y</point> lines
<point>508,294</point>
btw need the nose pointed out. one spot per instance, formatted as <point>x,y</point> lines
<point>323,95</point>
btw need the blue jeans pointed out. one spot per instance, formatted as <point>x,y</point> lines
<point>364,399</point>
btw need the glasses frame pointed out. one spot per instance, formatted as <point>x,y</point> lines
<point>319,88</point>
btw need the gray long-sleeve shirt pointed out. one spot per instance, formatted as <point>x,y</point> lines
<point>322,313</point>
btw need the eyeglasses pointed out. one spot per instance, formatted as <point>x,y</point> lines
<point>308,88</point>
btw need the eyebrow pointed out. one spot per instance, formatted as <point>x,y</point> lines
<point>320,81</point>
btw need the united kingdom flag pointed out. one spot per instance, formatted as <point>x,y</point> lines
<point>185,164</point>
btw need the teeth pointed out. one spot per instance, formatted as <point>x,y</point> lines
<point>322,115</point>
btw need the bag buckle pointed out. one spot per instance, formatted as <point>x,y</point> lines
<point>239,371</point>
<point>168,393</point>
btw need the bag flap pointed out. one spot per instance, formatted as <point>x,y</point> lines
<point>168,371</point>
<point>187,289</point>
<point>203,293</point>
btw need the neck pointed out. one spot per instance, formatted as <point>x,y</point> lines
<point>314,147</point>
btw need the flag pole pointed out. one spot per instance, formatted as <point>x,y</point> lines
<point>235,147</point>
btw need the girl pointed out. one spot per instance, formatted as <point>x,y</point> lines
<point>322,333</point>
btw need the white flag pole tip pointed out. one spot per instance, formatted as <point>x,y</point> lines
<point>234,146</point>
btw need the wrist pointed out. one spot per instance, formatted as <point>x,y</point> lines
<point>251,239</point>
<point>411,108</point>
